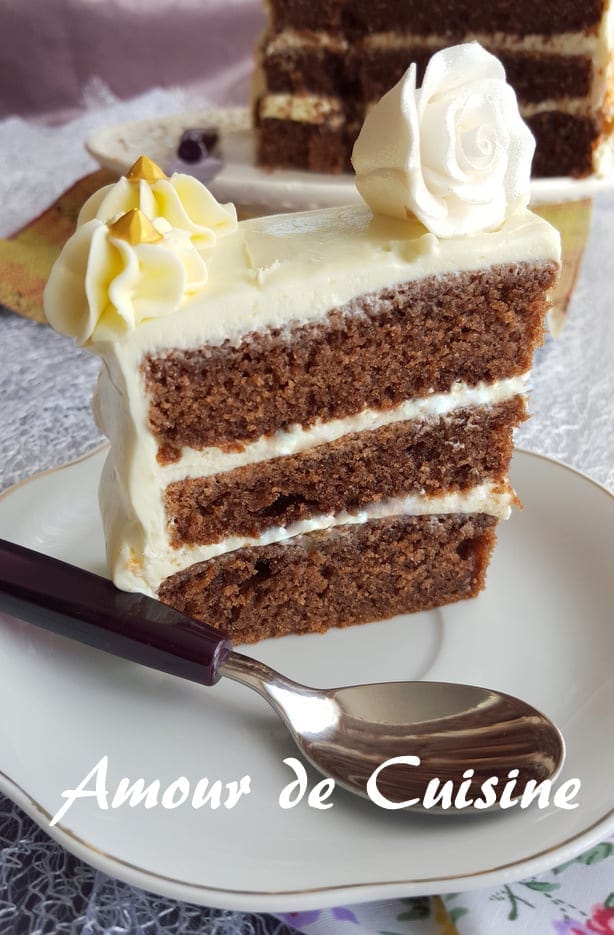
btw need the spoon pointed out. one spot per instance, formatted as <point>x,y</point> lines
<point>461,733</point>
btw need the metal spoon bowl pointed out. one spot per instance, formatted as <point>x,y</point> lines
<point>348,733</point>
<point>462,737</point>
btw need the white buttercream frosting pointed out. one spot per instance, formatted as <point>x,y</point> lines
<point>103,286</point>
<point>181,200</point>
<point>138,252</point>
<point>455,153</point>
<point>291,269</point>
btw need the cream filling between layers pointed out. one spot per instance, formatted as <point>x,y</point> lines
<point>208,461</point>
<point>134,574</point>
<point>133,482</point>
<point>574,106</point>
<point>564,43</point>
<point>303,108</point>
<point>329,111</point>
<point>310,39</point>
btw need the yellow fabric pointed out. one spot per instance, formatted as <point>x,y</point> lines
<point>442,917</point>
<point>573,221</point>
<point>27,257</point>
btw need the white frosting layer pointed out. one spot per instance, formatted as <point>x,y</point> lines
<point>292,269</point>
<point>456,153</point>
<point>305,108</point>
<point>146,574</point>
<point>564,43</point>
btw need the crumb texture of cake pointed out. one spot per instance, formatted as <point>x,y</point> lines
<point>376,351</point>
<point>361,573</point>
<point>322,66</point>
<point>427,457</point>
<point>310,416</point>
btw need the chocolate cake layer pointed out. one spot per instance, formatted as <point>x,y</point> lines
<point>353,575</point>
<point>534,76</point>
<point>318,71</point>
<point>313,146</point>
<point>376,351</point>
<point>434,456</point>
<point>306,14</point>
<point>565,143</point>
<point>360,17</point>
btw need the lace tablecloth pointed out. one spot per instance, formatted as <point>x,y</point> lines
<point>45,388</point>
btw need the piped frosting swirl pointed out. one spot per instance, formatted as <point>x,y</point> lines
<point>139,250</point>
<point>181,200</point>
<point>111,277</point>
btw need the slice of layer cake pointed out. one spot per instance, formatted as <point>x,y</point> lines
<point>311,415</point>
<point>322,65</point>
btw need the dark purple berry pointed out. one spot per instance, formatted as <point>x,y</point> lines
<point>196,144</point>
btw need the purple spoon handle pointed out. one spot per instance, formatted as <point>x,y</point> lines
<point>85,607</point>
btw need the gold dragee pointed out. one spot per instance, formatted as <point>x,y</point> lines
<point>135,227</point>
<point>146,170</point>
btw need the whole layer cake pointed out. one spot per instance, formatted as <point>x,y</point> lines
<point>311,415</point>
<point>322,64</point>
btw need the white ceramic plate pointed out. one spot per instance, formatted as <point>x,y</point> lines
<point>241,181</point>
<point>542,630</point>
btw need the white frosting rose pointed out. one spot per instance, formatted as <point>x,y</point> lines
<point>102,286</point>
<point>455,153</point>
<point>181,200</point>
